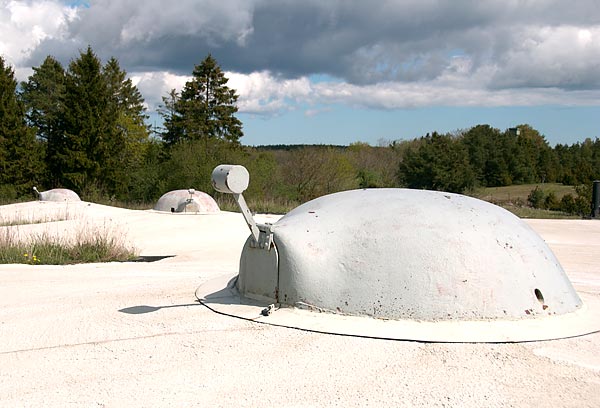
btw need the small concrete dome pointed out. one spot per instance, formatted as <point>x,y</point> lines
<point>179,201</point>
<point>428,260</point>
<point>57,194</point>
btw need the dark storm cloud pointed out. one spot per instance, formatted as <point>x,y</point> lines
<point>517,43</point>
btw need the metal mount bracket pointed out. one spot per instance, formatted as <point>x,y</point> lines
<point>265,238</point>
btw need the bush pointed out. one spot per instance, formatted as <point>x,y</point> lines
<point>567,204</point>
<point>536,198</point>
<point>8,193</point>
<point>551,202</point>
<point>583,200</point>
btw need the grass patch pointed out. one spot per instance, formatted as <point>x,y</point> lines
<point>31,220</point>
<point>528,212</point>
<point>519,193</point>
<point>260,206</point>
<point>89,245</point>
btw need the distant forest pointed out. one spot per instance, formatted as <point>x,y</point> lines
<point>84,127</point>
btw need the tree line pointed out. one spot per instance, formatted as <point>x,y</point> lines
<point>483,156</point>
<point>84,127</point>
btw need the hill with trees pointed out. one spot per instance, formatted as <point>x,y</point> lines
<point>84,128</point>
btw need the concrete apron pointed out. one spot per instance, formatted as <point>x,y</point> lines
<point>221,296</point>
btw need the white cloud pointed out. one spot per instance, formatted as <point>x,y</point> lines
<point>309,113</point>
<point>259,92</point>
<point>25,24</point>
<point>263,93</point>
<point>562,57</point>
<point>406,96</point>
<point>585,37</point>
<point>154,85</point>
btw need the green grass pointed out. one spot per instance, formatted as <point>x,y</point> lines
<point>89,245</point>
<point>31,220</point>
<point>518,193</point>
<point>260,206</point>
<point>528,212</point>
<point>514,199</point>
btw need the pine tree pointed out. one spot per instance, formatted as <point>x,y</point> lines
<point>172,131</point>
<point>206,108</point>
<point>90,128</point>
<point>127,98</point>
<point>20,156</point>
<point>43,95</point>
<point>128,105</point>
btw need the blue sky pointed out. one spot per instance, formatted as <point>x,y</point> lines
<point>344,125</point>
<point>342,71</point>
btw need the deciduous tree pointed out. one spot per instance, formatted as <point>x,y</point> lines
<point>440,162</point>
<point>485,147</point>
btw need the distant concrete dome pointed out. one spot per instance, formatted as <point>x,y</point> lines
<point>445,267</point>
<point>57,194</point>
<point>180,201</point>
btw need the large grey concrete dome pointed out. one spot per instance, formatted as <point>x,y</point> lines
<point>421,258</point>
<point>398,254</point>
<point>182,201</point>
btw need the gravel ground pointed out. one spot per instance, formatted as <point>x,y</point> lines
<point>132,334</point>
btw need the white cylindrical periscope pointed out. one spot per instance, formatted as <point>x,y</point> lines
<point>229,178</point>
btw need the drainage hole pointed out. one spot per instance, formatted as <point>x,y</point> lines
<point>539,296</point>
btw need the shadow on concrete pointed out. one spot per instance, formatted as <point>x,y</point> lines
<point>150,309</point>
<point>151,258</point>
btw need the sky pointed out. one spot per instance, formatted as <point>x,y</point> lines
<point>341,71</point>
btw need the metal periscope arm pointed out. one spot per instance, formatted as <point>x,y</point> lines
<point>234,179</point>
